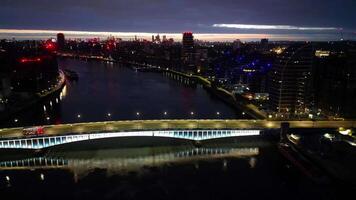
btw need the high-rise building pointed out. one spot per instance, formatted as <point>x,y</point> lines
<point>188,56</point>
<point>290,80</point>
<point>264,44</point>
<point>60,41</point>
<point>158,38</point>
<point>188,42</point>
<point>236,44</point>
<point>335,79</point>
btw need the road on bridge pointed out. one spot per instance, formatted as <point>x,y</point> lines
<point>115,126</point>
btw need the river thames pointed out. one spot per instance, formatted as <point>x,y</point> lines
<point>109,91</point>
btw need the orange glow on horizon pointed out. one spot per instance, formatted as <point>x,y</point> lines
<point>221,37</point>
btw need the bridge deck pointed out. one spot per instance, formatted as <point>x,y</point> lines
<point>117,126</point>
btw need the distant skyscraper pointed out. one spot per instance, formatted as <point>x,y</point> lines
<point>60,41</point>
<point>188,52</point>
<point>290,89</point>
<point>188,42</point>
<point>158,38</point>
<point>236,44</point>
<point>264,44</point>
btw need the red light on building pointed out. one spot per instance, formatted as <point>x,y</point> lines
<point>30,60</point>
<point>49,45</point>
<point>110,45</point>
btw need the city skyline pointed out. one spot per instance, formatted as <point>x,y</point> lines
<point>280,20</point>
<point>33,34</point>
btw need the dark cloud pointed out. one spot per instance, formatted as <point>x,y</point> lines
<point>173,15</point>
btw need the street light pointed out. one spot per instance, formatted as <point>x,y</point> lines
<point>109,114</point>
<point>16,120</point>
<point>42,177</point>
<point>79,116</point>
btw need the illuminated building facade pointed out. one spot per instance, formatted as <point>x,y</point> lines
<point>188,52</point>
<point>291,81</point>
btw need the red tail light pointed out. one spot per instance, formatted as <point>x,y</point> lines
<point>29,60</point>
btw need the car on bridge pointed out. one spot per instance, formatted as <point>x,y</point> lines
<point>33,131</point>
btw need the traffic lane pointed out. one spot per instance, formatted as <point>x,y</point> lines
<point>173,124</point>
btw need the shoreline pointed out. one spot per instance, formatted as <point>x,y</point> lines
<point>36,99</point>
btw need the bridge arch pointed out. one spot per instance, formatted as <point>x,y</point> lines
<point>50,141</point>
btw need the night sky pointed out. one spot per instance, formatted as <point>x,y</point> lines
<point>175,16</point>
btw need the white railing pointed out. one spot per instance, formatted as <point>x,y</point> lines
<point>195,135</point>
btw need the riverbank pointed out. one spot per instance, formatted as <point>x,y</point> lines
<point>324,158</point>
<point>85,57</point>
<point>223,95</point>
<point>37,98</point>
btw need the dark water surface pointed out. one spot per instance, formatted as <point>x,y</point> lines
<point>239,170</point>
<point>113,92</point>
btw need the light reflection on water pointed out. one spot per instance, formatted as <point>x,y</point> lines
<point>124,160</point>
<point>239,170</point>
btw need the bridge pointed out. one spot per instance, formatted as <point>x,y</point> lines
<point>49,141</point>
<point>194,130</point>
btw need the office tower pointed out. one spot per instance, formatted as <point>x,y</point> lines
<point>264,45</point>
<point>236,44</point>
<point>290,80</point>
<point>335,79</point>
<point>158,38</point>
<point>60,41</point>
<point>188,42</point>
<point>164,38</point>
<point>188,56</point>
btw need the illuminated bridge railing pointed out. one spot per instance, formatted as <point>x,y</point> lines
<point>49,141</point>
<point>34,162</point>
